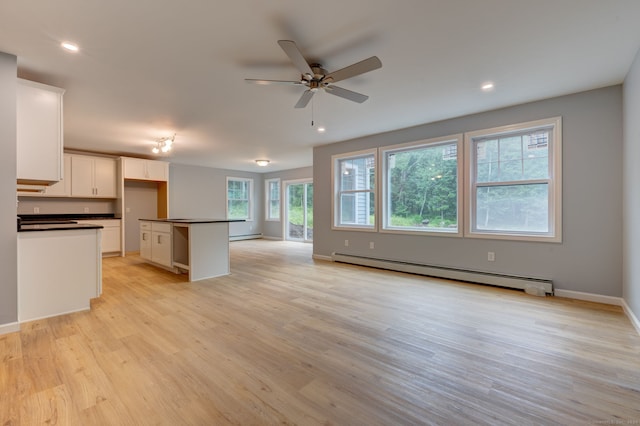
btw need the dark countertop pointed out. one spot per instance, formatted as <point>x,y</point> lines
<point>187,221</point>
<point>65,217</point>
<point>61,226</point>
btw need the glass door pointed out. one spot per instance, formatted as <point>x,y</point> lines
<point>299,211</point>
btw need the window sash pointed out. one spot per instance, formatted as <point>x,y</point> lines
<point>354,185</point>
<point>441,154</point>
<point>533,210</point>
<point>239,198</point>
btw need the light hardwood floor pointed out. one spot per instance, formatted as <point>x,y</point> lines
<point>289,340</point>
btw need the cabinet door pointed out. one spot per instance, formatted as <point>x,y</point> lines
<point>39,132</point>
<point>104,174</point>
<point>110,239</point>
<point>145,240</point>
<point>62,188</point>
<point>157,170</point>
<point>81,176</point>
<point>134,168</point>
<point>161,248</point>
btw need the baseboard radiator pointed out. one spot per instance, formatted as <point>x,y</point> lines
<point>536,286</point>
<point>244,237</point>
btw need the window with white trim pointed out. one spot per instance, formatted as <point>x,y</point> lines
<point>239,198</point>
<point>354,183</point>
<point>514,181</point>
<point>272,201</point>
<point>422,189</point>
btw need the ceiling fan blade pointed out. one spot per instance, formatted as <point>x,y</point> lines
<point>346,94</point>
<point>296,57</point>
<point>266,82</point>
<point>305,98</point>
<point>373,63</point>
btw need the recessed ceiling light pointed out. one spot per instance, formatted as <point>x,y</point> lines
<point>487,86</point>
<point>69,46</point>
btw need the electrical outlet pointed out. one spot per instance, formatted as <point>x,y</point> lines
<point>491,256</point>
<point>36,209</point>
<point>86,209</point>
<point>346,243</point>
<point>372,245</point>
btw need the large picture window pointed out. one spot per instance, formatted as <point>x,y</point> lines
<point>272,201</point>
<point>514,183</point>
<point>421,186</point>
<point>239,198</point>
<point>354,182</point>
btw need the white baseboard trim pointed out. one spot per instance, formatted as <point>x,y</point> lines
<point>266,237</point>
<point>588,297</point>
<point>12,327</point>
<point>632,317</point>
<point>321,257</point>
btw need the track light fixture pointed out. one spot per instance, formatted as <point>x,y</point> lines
<point>163,145</point>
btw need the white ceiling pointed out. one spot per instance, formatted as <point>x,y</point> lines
<point>151,68</point>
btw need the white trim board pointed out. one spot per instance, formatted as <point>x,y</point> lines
<point>588,297</point>
<point>11,327</point>
<point>321,257</point>
<point>632,317</point>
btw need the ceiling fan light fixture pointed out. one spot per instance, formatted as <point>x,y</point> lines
<point>262,163</point>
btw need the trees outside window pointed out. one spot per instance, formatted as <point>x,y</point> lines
<point>239,198</point>
<point>421,186</point>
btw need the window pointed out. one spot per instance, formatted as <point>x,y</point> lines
<point>239,198</point>
<point>514,181</point>
<point>421,186</point>
<point>272,202</point>
<point>354,182</point>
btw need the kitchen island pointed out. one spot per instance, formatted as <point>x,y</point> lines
<point>199,247</point>
<point>59,268</point>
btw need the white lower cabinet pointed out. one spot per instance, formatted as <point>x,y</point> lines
<point>156,243</point>
<point>110,234</point>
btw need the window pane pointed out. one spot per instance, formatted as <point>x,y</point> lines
<point>274,209</point>
<point>238,209</point>
<point>357,173</point>
<point>357,208</point>
<point>422,188</point>
<point>515,208</point>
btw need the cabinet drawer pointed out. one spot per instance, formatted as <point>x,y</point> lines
<point>145,225</point>
<point>160,227</point>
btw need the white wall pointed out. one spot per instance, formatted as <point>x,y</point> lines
<point>274,228</point>
<point>200,192</point>
<point>590,257</point>
<point>8,240</point>
<point>631,243</point>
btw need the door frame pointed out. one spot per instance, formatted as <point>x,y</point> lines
<point>285,211</point>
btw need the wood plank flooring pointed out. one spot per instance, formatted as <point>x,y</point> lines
<point>289,340</point>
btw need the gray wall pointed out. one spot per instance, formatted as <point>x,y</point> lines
<point>200,192</point>
<point>8,242</point>
<point>631,265</point>
<point>51,205</point>
<point>140,202</point>
<point>590,257</point>
<point>272,228</point>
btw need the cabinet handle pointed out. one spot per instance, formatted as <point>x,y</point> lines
<point>144,236</point>
<point>159,242</point>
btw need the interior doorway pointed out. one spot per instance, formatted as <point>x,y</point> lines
<point>299,210</point>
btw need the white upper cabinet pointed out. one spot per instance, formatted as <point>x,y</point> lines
<point>93,177</point>
<point>140,169</point>
<point>39,133</point>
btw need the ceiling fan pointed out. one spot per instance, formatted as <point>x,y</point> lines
<point>314,77</point>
